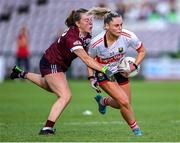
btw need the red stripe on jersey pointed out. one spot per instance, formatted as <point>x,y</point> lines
<point>127,35</point>
<point>97,42</point>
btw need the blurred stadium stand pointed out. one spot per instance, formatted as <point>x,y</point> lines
<point>150,21</point>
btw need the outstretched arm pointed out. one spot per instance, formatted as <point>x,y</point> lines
<point>90,62</point>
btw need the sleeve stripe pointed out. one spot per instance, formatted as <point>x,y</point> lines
<point>139,46</point>
<point>75,48</point>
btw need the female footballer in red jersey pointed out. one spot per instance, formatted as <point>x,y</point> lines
<point>109,47</point>
<point>56,60</point>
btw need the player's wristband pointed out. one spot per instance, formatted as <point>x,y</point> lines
<point>90,77</point>
<point>135,65</point>
<point>104,69</point>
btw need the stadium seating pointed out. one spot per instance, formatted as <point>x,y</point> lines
<point>46,22</point>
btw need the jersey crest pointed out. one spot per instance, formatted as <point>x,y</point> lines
<point>121,49</point>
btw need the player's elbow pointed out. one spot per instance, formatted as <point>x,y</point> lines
<point>142,51</point>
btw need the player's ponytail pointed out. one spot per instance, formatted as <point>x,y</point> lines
<point>106,13</point>
<point>70,20</point>
<point>74,17</point>
<point>99,11</point>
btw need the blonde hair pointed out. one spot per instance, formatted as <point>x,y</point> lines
<point>99,11</point>
<point>104,12</point>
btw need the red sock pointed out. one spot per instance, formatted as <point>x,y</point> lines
<point>49,123</point>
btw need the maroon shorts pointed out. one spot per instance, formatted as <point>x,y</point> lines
<point>48,68</point>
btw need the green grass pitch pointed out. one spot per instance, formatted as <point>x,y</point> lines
<point>24,108</point>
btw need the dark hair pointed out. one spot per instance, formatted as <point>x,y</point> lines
<point>109,16</point>
<point>74,17</point>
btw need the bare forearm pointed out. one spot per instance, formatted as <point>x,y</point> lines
<point>93,64</point>
<point>90,71</point>
<point>89,61</point>
<point>140,56</point>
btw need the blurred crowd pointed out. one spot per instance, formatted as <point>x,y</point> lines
<point>129,9</point>
<point>146,10</point>
<point>46,17</point>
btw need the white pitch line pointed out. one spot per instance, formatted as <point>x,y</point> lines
<point>94,123</point>
<point>83,123</point>
<point>175,121</point>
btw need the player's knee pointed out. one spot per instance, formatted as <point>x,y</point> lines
<point>68,98</point>
<point>65,98</point>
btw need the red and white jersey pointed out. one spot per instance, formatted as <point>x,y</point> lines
<point>105,55</point>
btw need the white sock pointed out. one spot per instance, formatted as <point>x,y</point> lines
<point>102,101</point>
<point>47,128</point>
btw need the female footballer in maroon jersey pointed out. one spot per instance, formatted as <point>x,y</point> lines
<point>56,60</point>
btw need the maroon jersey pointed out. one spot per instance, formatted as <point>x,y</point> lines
<point>61,51</point>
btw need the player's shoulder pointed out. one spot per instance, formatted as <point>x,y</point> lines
<point>71,32</point>
<point>98,39</point>
<point>127,33</point>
